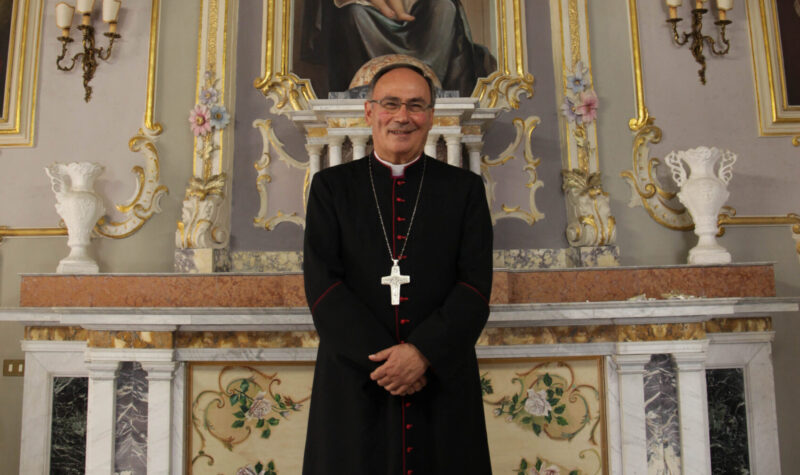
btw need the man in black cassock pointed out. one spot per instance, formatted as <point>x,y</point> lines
<point>396,385</point>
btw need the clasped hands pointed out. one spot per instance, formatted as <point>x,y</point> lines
<point>403,370</point>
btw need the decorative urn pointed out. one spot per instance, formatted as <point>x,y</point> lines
<point>703,191</point>
<point>80,208</point>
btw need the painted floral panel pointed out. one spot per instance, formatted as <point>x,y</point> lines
<point>545,416</point>
<point>248,419</point>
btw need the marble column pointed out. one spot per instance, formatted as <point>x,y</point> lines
<point>453,142</point>
<point>100,418</point>
<point>359,146</point>
<point>693,412</point>
<point>430,145</point>
<point>335,149</point>
<point>630,368</point>
<point>474,150</point>
<point>159,415</point>
<point>314,153</point>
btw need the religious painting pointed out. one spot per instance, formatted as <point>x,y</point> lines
<point>333,38</point>
<point>6,30</point>
<point>789,25</point>
<point>775,37</point>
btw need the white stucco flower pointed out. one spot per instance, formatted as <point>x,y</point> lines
<point>551,470</point>
<point>537,404</point>
<point>260,408</point>
<point>246,471</point>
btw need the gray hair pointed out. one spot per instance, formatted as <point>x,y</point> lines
<point>381,72</point>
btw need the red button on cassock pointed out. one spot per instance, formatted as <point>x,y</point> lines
<point>400,200</point>
<point>409,449</point>
<point>409,426</point>
<point>404,321</point>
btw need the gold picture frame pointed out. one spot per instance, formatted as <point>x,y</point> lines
<point>290,92</point>
<point>775,115</point>
<point>21,74</point>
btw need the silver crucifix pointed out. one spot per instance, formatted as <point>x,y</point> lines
<point>394,280</point>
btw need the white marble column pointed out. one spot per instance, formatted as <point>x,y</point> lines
<point>100,418</point>
<point>335,149</point>
<point>430,145</point>
<point>314,161</point>
<point>359,146</point>
<point>159,415</point>
<point>630,368</point>
<point>474,151</point>
<point>453,142</point>
<point>693,411</point>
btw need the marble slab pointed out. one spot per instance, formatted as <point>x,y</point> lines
<point>662,421</point>
<point>130,444</point>
<point>285,319</point>
<point>68,432</point>
<point>727,420</point>
<point>286,289</point>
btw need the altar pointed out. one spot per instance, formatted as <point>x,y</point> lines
<point>604,370</point>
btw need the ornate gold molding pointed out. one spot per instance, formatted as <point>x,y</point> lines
<point>18,118</point>
<point>268,138</point>
<point>728,218</point>
<point>6,232</point>
<point>524,129</point>
<point>590,222</point>
<point>289,92</point>
<point>145,201</point>
<point>642,115</point>
<point>646,190</point>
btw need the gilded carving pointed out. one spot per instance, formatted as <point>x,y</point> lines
<point>269,138</point>
<point>201,224</point>
<point>524,131</point>
<point>646,190</point>
<point>589,218</point>
<point>145,201</point>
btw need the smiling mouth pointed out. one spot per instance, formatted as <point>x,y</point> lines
<point>401,132</point>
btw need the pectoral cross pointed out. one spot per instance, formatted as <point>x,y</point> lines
<point>394,280</point>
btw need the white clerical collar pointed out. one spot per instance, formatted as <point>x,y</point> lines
<point>398,169</point>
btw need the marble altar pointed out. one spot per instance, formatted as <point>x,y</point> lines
<point>625,354</point>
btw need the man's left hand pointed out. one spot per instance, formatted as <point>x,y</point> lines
<point>404,366</point>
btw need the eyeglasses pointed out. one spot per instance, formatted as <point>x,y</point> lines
<point>394,105</point>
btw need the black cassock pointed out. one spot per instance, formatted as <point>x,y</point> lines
<point>355,426</point>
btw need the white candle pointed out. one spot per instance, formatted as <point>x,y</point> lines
<point>64,14</point>
<point>85,6</point>
<point>674,3</point>
<point>698,4</point>
<point>111,10</point>
<point>724,4</point>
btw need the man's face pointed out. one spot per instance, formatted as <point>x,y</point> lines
<point>399,136</point>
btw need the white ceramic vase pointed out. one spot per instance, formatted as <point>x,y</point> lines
<point>80,208</point>
<point>703,192</point>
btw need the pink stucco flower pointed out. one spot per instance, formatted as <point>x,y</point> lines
<point>587,108</point>
<point>199,120</point>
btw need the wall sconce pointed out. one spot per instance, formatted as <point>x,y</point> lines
<point>696,35</point>
<point>88,57</point>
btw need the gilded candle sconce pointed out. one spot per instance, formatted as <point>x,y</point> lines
<point>87,57</point>
<point>698,40</point>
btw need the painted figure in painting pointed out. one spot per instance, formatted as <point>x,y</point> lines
<point>344,34</point>
<point>398,271</point>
